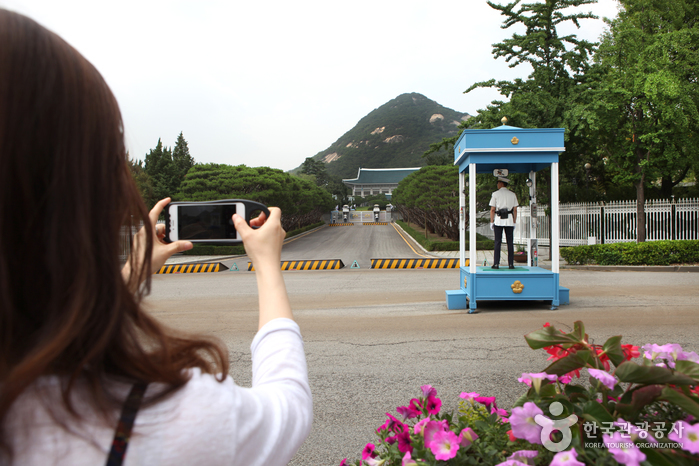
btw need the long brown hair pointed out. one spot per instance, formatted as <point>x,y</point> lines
<point>65,194</point>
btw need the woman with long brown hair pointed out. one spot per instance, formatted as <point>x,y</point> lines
<point>85,374</point>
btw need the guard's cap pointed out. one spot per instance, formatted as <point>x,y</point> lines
<point>503,179</point>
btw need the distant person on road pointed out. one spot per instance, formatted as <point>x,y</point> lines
<point>80,358</point>
<point>503,218</point>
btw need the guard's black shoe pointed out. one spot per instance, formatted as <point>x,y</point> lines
<point>512,266</point>
<point>496,266</point>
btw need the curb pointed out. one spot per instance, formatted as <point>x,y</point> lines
<point>205,267</point>
<point>415,263</point>
<point>633,268</point>
<point>328,264</point>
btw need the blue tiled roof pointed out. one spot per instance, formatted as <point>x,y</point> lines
<point>380,175</point>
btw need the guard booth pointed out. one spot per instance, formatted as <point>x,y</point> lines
<point>377,211</point>
<point>500,151</point>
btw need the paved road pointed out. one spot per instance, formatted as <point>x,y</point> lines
<point>372,337</point>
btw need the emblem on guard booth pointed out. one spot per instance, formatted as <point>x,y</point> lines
<point>517,287</point>
<point>465,282</point>
<point>514,141</point>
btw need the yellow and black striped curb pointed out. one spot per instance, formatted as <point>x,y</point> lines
<point>203,267</point>
<point>375,223</point>
<point>348,224</point>
<point>308,265</point>
<point>452,263</point>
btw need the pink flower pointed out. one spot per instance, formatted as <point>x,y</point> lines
<point>469,396</point>
<point>634,431</point>
<point>524,456</point>
<point>431,429</point>
<point>535,379</point>
<point>566,458</point>
<point>444,445</point>
<point>498,411</point>
<point>511,463</point>
<point>523,425</point>
<point>433,405</point>
<point>374,462</point>
<point>391,424</point>
<point>467,437</point>
<point>564,379</point>
<point>408,460</point>
<point>607,380</point>
<point>368,451</point>
<point>688,436</point>
<point>428,391</point>
<point>420,426</point>
<point>342,463</point>
<point>623,449</point>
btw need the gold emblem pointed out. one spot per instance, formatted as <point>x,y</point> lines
<point>514,140</point>
<point>517,287</point>
<point>465,278</point>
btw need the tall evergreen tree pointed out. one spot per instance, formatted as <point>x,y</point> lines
<point>182,161</point>
<point>159,166</point>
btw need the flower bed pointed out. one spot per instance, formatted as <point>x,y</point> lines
<point>630,413</point>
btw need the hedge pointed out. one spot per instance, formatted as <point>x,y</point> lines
<point>237,250</point>
<point>647,253</point>
<point>482,242</point>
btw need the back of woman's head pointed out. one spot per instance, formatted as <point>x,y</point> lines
<point>65,194</point>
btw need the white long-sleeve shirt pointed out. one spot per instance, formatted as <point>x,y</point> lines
<point>203,423</point>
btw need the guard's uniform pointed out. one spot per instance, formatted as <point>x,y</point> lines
<point>503,198</point>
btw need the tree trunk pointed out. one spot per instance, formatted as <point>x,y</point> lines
<point>640,211</point>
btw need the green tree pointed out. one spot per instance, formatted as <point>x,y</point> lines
<point>182,161</point>
<point>301,201</point>
<point>430,197</point>
<point>143,182</point>
<point>643,110</point>
<point>158,165</point>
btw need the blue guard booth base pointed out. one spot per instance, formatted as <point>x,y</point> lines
<point>517,150</point>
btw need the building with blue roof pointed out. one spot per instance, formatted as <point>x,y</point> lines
<point>375,181</point>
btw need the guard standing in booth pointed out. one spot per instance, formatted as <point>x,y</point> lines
<point>503,217</point>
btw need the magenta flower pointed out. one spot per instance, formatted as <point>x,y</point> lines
<point>404,445</point>
<point>467,437</point>
<point>486,400</point>
<point>410,411</point>
<point>428,391</point>
<point>342,463</point>
<point>607,380</point>
<point>624,450</point>
<point>391,424</point>
<point>444,445</point>
<point>431,429</point>
<point>564,379</point>
<point>511,463</point>
<point>408,460</point>
<point>368,451</point>
<point>523,425</point>
<point>688,436</point>
<point>433,405</point>
<point>498,411</point>
<point>534,379</point>
<point>566,458</point>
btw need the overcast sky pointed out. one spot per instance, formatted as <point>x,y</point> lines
<point>269,83</point>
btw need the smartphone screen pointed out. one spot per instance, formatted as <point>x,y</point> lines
<point>206,222</point>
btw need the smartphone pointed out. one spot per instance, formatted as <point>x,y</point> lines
<point>208,222</point>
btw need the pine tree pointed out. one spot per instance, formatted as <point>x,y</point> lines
<point>182,161</point>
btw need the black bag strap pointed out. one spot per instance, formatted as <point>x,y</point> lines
<point>125,424</point>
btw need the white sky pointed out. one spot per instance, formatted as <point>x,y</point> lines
<point>269,82</point>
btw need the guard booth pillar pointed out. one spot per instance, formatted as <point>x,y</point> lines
<point>505,150</point>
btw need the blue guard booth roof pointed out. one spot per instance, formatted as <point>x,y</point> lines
<point>519,150</point>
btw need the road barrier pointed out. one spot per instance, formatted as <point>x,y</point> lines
<point>452,263</point>
<point>204,267</point>
<point>308,265</point>
<point>348,224</point>
<point>375,223</point>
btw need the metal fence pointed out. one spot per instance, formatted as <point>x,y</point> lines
<point>611,222</point>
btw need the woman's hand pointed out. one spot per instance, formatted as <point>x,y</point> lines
<point>264,247</point>
<point>161,250</point>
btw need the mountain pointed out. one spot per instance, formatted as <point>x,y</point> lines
<point>394,135</point>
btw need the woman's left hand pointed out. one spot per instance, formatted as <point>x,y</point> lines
<point>161,250</point>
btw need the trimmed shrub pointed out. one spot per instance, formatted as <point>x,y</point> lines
<point>647,253</point>
<point>482,242</point>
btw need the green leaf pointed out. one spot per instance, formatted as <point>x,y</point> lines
<point>548,390</point>
<point>612,348</point>
<point>688,368</point>
<point>657,458</point>
<point>579,330</point>
<point>633,402</point>
<point>569,363</point>
<point>594,411</point>
<point>549,336</point>
<point>680,399</point>
<point>633,373</point>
